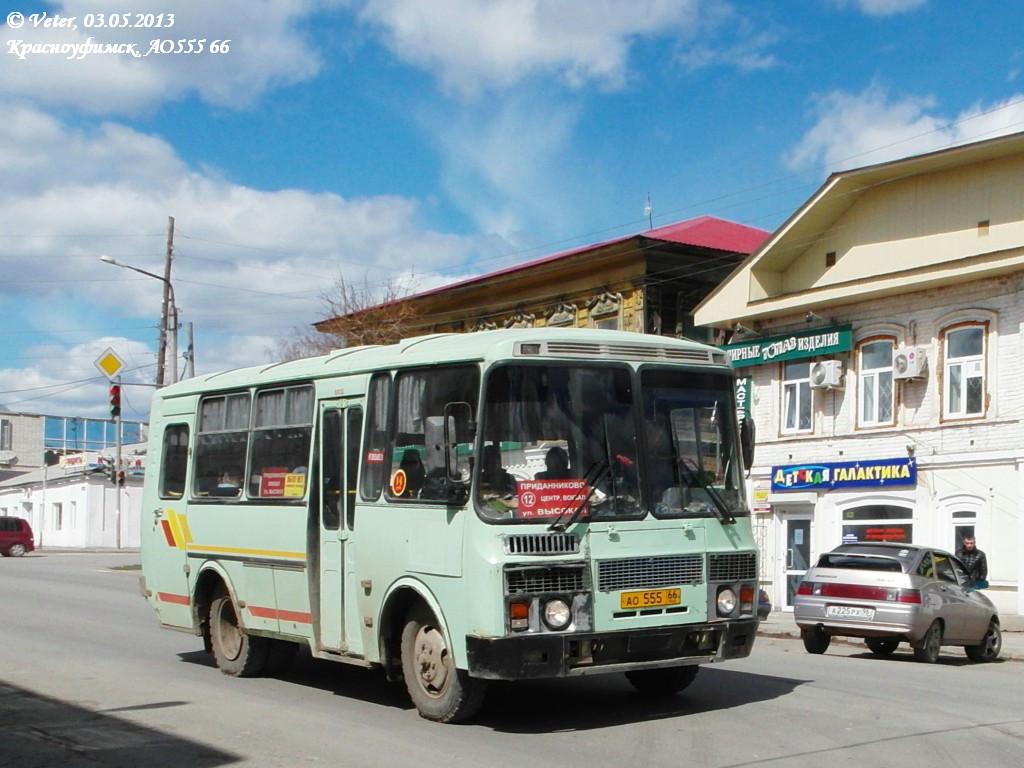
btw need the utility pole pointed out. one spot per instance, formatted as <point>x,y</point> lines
<point>161,352</point>
<point>190,353</point>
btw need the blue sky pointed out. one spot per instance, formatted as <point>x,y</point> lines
<point>428,141</point>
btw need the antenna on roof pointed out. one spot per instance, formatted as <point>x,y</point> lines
<point>649,212</point>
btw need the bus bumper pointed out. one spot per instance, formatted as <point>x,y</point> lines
<point>522,657</point>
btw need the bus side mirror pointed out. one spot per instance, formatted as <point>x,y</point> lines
<point>747,440</point>
<point>459,431</point>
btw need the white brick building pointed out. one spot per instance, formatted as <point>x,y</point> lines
<point>918,259</point>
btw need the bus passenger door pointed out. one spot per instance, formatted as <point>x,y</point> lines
<point>339,455</point>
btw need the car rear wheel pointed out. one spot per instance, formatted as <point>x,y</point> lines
<point>16,550</point>
<point>928,649</point>
<point>989,647</point>
<point>882,646</point>
<point>815,640</point>
<point>662,682</point>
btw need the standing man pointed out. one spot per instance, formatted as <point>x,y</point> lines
<point>974,560</point>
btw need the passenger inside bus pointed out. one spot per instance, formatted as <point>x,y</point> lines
<point>493,477</point>
<point>228,484</point>
<point>556,463</point>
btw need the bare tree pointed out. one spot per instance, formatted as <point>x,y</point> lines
<point>354,316</point>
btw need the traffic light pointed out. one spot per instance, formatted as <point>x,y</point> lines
<point>115,400</point>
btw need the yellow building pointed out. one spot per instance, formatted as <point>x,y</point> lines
<point>881,328</point>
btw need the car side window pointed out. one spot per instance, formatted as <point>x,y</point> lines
<point>961,573</point>
<point>927,566</point>
<point>944,568</point>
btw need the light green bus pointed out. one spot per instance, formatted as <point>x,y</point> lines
<point>459,508</point>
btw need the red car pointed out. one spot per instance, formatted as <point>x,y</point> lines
<point>15,537</point>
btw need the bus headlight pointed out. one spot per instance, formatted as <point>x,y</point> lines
<point>557,613</point>
<point>726,601</point>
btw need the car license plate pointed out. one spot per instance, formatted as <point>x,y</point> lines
<point>849,612</point>
<point>649,598</point>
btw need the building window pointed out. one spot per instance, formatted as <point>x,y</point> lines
<point>605,310</point>
<point>964,374</point>
<point>64,435</point>
<point>796,397</point>
<point>964,524</point>
<point>5,435</point>
<point>875,383</point>
<point>878,522</point>
<point>58,516</point>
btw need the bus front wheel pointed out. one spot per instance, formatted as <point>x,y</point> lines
<point>440,691</point>
<point>236,653</point>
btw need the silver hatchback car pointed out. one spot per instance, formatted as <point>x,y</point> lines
<point>893,593</point>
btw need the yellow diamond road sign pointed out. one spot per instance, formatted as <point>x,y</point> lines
<point>109,363</point>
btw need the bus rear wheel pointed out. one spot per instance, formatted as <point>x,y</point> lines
<point>440,691</point>
<point>236,653</point>
<point>662,682</point>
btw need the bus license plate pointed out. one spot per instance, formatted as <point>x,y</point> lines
<point>649,598</point>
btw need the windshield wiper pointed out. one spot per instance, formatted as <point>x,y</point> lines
<point>695,480</point>
<point>593,476</point>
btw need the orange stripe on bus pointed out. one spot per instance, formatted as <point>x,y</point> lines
<point>167,533</point>
<point>167,597</point>
<point>272,613</point>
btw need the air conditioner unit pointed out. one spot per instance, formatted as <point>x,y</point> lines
<point>909,362</point>
<point>827,374</point>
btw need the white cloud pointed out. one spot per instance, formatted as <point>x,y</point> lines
<point>268,48</point>
<point>882,7</point>
<point>250,265</point>
<point>853,130</point>
<point>503,163</point>
<point>475,44</point>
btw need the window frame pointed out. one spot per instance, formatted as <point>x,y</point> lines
<point>962,362</point>
<point>800,384</point>
<point>429,374</point>
<point>176,429</point>
<point>200,475</point>
<point>863,375</point>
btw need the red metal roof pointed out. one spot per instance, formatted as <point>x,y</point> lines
<point>702,231</point>
<point>709,232</point>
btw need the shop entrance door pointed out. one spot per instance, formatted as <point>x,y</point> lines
<point>795,558</point>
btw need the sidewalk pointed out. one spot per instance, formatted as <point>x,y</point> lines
<point>781,624</point>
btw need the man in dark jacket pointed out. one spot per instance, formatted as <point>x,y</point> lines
<point>973,559</point>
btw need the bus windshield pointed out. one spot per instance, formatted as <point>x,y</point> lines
<point>574,442</point>
<point>690,431</point>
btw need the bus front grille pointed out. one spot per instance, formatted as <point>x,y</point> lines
<point>543,580</point>
<point>542,544</point>
<point>732,566</point>
<point>649,572</point>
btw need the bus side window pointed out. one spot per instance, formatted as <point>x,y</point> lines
<point>376,455</point>
<point>221,445</point>
<point>427,436</point>
<point>174,461</point>
<point>281,437</point>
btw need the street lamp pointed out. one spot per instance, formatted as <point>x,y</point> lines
<point>168,317</point>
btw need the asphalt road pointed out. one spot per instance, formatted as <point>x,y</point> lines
<point>88,679</point>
